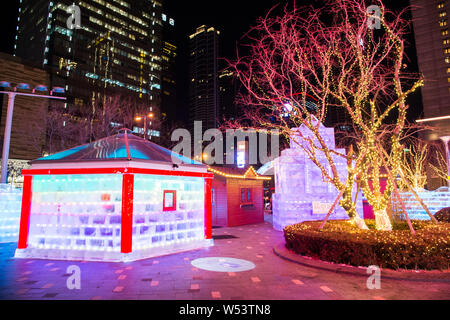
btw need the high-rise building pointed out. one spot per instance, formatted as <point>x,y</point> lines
<point>204,80</point>
<point>432,35</point>
<point>169,66</point>
<point>112,47</point>
<point>228,90</point>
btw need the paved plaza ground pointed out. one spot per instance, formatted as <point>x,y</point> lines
<point>174,278</point>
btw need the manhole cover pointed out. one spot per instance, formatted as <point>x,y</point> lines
<point>223,264</point>
<point>223,237</point>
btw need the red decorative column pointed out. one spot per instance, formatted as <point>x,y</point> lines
<point>127,213</point>
<point>208,208</point>
<point>26,211</point>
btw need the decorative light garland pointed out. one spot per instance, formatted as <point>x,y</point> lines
<point>244,176</point>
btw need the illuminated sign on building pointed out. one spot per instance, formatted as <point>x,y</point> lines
<point>241,159</point>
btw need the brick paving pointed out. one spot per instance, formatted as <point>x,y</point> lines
<point>174,278</point>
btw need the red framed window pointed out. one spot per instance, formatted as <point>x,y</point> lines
<point>170,200</point>
<point>246,197</point>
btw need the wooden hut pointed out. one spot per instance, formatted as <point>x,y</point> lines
<point>237,196</point>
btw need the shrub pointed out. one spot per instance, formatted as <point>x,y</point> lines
<point>443,215</point>
<point>341,242</point>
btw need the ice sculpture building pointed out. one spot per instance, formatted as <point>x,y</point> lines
<point>300,191</point>
<point>117,199</point>
<point>10,201</point>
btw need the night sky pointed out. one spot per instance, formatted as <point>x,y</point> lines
<point>232,17</point>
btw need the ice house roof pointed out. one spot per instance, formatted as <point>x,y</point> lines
<point>119,147</point>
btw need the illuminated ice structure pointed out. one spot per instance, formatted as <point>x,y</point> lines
<point>300,192</point>
<point>10,203</point>
<point>117,199</point>
<point>434,200</point>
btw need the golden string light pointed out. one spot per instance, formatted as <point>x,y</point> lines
<point>246,175</point>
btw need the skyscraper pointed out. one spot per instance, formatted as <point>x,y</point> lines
<point>203,72</point>
<point>432,35</point>
<point>168,63</point>
<point>115,49</point>
<point>228,90</point>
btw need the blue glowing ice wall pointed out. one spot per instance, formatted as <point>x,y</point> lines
<point>158,231</point>
<point>75,217</point>
<point>78,217</point>
<point>300,191</point>
<point>10,204</point>
<point>434,200</point>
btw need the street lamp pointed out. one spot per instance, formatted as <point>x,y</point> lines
<point>9,117</point>
<point>146,119</point>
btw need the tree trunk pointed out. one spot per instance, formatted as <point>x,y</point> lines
<point>349,207</point>
<point>382,220</point>
<point>360,223</point>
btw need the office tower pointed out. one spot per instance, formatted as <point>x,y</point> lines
<point>114,49</point>
<point>203,72</point>
<point>432,35</point>
<point>168,63</point>
<point>228,90</point>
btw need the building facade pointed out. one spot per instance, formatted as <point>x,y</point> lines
<point>29,117</point>
<point>228,91</point>
<point>95,48</point>
<point>169,66</point>
<point>204,77</point>
<point>432,35</point>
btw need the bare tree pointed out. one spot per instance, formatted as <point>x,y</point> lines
<point>307,60</point>
<point>438,165</point>
<point>62,130</point>
<point>114,112</point>
<point>414,165</point>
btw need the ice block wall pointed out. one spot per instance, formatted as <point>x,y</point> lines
<point>158,230</point>
<point>301,194</point>
<point>434,200</point>
<point>10,204</point>
<point>75,214</point>
<point>79,217</point>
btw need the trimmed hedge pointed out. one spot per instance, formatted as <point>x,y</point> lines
<point>443,215</point>
<point>341,242</point>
